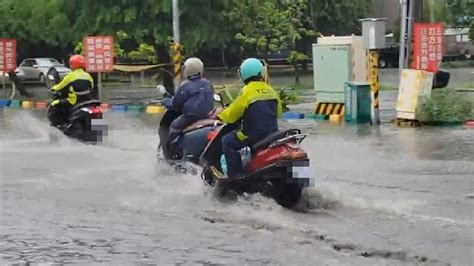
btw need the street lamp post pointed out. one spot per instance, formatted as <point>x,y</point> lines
<point>176,45</point>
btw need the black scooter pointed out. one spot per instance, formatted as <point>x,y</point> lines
<point>194,138</point>
<point>83,121</point>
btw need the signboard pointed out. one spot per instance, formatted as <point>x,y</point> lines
<point>414,84</point>
<point>7,55</point>
<point>428,46</point>
<point>99,53</point>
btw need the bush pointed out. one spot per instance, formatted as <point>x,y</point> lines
<point>287,96</point>
<point>446,105</point>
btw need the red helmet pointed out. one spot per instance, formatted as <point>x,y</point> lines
<point>77,61</point>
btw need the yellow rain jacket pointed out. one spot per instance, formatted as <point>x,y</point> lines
<point>75,87</point>
<point>258,106</point>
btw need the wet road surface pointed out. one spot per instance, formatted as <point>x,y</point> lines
<point>384,196</point>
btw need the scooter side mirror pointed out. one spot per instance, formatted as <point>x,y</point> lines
<point>217,97</point>
<point>161,89</point>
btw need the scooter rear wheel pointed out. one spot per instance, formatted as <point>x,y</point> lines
<point>287,195</point>
<point>76,131</point>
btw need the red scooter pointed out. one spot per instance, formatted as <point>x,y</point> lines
<point>276,166</point>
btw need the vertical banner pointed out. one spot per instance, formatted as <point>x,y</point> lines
<point>7,55</point>
<point>99,53</point>
<point>428,46</point>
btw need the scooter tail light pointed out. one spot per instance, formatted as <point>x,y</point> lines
<point>294,154</point>
<point>96,110</point>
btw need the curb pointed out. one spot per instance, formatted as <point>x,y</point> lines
<point>105,107</point>
<point>152,109</point>
<point>4,103</point>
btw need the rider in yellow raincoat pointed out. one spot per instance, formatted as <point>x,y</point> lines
<point>257,106</point>
<point>76,87</point>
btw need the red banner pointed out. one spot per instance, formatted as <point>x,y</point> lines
<point>7,55</point>
<point>99,53</point>
<point>428,46</point>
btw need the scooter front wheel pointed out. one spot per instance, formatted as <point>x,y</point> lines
<point>207,177</point>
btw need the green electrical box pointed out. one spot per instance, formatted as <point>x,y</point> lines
<point>358,102</point>
<point>332,68</point>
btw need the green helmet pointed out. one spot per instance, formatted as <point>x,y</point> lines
<point>251,67</point>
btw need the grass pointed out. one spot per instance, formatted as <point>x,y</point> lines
<point>458,64</point>
<point>469,85</point>
<point>388,87</point>
<point>446,106</point>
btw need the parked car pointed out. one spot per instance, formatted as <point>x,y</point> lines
<point>36,69</point>
<point>389,56</point>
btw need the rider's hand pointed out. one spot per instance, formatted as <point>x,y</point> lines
<point>168,103</point>
<point>219,110</point>
<point>213,114</point>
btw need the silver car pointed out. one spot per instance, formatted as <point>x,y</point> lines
<point>36,69</point>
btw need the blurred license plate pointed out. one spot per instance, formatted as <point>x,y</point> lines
<point>300,169</point>
<point>98,124</point>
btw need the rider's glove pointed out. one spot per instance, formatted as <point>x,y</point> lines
<point>168,103</point>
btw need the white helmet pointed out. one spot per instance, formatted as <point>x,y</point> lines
<point>193,67</point>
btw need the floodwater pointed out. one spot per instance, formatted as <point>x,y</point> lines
<point>382,196</point>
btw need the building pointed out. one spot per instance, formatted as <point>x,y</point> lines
<point>389,9</point>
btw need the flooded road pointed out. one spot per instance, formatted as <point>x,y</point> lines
<point>384,196</point>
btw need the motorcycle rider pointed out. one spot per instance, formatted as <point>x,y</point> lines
<point>75,88</point>
<point>193,100</point>
<point>257,106</point>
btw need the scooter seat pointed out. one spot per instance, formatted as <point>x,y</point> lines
<point>273,137</point>
<point>84,104</point>
<point>202,123</point>
<point>267,140</point>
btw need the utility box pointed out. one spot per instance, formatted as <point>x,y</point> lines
<point>373,33</point>
<point>358,102</point>
<point>332,68</point>
<point>358,55</point>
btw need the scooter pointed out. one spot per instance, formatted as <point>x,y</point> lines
<point>276,166</point>
<point>193,141</point>
<point>82,120</point>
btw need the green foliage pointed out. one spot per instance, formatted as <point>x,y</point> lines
<point>144,52</point>
<point>471,32</point>
<point>256,26</point>
<point>461,12</point>
<point>436,11</point>
<point>288,96</point>
<point>264,26</point>
<point>339,17</point>
<point>46,24</point>
<point>454,13</point>
<point>273,26</point>
<point>295,57</point>
<point>446,105</point>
